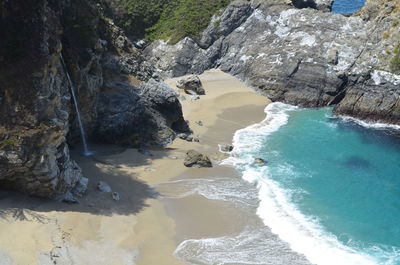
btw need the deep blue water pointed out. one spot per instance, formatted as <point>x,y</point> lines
<point>347,6</point>
<point>331,188</point>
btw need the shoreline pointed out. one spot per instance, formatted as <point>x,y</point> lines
<point>221,115</point>
<point>147,224</point>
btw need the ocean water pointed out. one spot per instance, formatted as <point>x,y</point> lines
<point>347,6</point>
<point>331,187</point>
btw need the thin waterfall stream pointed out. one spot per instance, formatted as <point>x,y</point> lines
<point>86,151</point>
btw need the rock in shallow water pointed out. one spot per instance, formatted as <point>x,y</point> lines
<point>260,161</point>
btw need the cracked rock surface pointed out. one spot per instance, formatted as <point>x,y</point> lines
<point>300,56</point>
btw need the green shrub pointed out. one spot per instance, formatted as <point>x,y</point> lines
<point>165,19</point>
<point>185,18</point>
<point>7,142</point>
<point>395,61</point>
<point>386,35</point>
<point>395,64</point>
<point>135,16</point>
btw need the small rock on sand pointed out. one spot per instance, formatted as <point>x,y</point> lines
<point>116,196</point>
<point>80,187</point>
<point>103,187</point>
<point>150,169</point>
<point>193,98</point>
<point>225,148</point>
<point>182,136</point>
<point>145,152</point>
<point>69,198</point>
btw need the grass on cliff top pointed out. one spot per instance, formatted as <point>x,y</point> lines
<point>7,143</point>
<point>166,19</point>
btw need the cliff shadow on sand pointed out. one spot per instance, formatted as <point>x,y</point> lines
<point>117,166</point>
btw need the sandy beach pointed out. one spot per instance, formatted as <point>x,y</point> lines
<point>157,211</point>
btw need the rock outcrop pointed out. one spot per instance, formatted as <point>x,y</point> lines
<point>373,92</point>
<point>191,85</point>
<point>196,160</point>
<point>324,5</point>
<point>290,50</point>
<point>145,115</point>
<point>118,102</point>
<point>300,56</point>
<point>35,101</point>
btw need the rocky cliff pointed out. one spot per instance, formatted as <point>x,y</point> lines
<point>119,100</point>
<point>298,52</point>
<point>294,51</point>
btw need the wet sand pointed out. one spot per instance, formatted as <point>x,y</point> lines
<point>149,222</point>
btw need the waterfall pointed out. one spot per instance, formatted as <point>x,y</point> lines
<point>86,151</point>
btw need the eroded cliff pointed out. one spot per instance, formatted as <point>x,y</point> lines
<point>302,56</point>
<point>291,51</point>
<point>118,102</point>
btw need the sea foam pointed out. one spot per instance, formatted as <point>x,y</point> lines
<point>377,125</point>
<point>252,246</point>
<point>233,190</point>
<point>304,234</point>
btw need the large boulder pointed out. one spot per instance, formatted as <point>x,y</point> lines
<point>164,100</point>
<point>196,159</point>
<point>191,85</point>
<point>120,114</point>
<point>136,116</point>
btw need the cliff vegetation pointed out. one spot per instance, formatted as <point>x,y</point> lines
<point>165,19</point>
<point>395,62</point>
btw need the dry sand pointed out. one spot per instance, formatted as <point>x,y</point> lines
<point>144,227</point>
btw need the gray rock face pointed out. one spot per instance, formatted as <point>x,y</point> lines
<point>35,102</point>
<point>324,5</point>
<point>300,56</point>
<point>196,159</point>
<point>191,85</point>
<point>375,97</point>
<point>36,114</point>
<point>145,115</point>
<point>163,99</point>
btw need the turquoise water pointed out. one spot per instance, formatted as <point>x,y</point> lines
<point>347,6</point>
<point>331,188</point>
